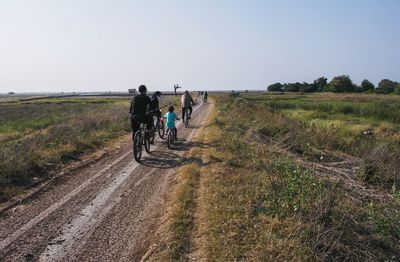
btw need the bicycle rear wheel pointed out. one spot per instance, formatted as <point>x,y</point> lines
<point>147,141</point>
<point>170,139</point>
<point>161,129</point>
<point>187,118</point>
<point>137,145</point>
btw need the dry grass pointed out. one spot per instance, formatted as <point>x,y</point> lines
<point>37,137</point>
<point>253,202</point>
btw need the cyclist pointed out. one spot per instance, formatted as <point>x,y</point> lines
<point>140,105</point>
<point>171,117</point>
<point>154,105</point>
<point>205,96</point>
<point>186,103</point>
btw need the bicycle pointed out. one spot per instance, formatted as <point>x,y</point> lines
<point>159,126</point>
<point>171,137</point>
<point>142,137</point>
<point>187,116</point>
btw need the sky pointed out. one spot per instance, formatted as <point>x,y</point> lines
<point>99,45</point>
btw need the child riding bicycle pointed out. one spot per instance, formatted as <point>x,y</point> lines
<point>171,117</point>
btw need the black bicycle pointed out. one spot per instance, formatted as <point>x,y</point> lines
<point>142,137</point>
<point>159,126</point>
<point>171,137</point>
<point>187,117</point>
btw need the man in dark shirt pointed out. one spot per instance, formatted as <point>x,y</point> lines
<point>155,106</point>
<point>140,105</point>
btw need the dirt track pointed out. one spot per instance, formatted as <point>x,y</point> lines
<point>104,212</point>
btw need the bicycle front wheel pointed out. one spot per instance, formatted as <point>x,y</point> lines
<point>137,145</point>
<point>161,129</point>
<point>147,142</point>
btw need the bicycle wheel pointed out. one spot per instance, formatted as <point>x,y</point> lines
<point>152,136</point>
<point>187,119</point>
<point>161,129</point>
<point>170,139</point>
<point>137,146</point>
<point>146,141</point>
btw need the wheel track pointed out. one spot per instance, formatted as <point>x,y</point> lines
<point>54,230</point>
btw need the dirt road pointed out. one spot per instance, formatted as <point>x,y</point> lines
<point>103,212</point>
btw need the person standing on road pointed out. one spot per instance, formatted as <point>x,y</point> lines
<point>140,105</point>
<point>186,103</point>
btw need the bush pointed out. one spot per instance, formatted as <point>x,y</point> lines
<point>386,86</point>
<point>277,87</point>
<point>367,85</point>
<point>397,90</point>
<point>340,84</point>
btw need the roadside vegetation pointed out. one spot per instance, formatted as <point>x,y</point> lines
<point>294,178</point>
<point>39,136</point>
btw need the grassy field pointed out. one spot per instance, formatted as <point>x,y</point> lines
<point>40,135</point>
<point>364,126</point>
<point>261,197</point>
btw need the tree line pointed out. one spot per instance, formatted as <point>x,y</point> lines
<point>338,84</point>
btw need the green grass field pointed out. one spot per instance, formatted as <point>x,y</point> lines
<point>364,126</point>
<point>257,200</point>
<point>40,135</point>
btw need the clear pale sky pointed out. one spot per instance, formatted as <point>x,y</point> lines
<point>88,45</point>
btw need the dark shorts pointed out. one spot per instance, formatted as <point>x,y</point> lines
<point>184,109</point>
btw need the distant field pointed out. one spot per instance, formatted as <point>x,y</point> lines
<point>39,135</point>
<point>296,178</point>
<point>366,126</point>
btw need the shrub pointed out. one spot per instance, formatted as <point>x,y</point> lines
<point>277,87</point>
<point>340,84</point>
<point>386,86</point>
<point>397,90</point>
<point>367,85</point>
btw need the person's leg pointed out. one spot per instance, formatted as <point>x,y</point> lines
<point>183,114</point>
<point>190,111</point>
<point>176,133</point>
<point>135,124</point>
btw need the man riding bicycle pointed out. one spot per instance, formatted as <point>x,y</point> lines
<point>205,96</point>
<point>154,105</point>
<point>140,105</point>
<point>186,103</point>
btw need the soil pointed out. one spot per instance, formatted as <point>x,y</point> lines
<point>106,210</point>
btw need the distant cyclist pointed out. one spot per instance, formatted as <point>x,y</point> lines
<point>140,105</point>
<point>205,96</point>
<point>186,103</point>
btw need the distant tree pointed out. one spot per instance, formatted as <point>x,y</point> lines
<point>320,83</point>
<point>340,84</point>
<point>367,85</point>
<point>397,90</point>
<point>386,86</point>
<point>357,88</point>
<point>277,87</point>
<point>327,88</point>
<point>291,87</point>
<point>308,88</point>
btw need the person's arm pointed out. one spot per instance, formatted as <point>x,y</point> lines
<point>176,116</point>
<point>148,102</point>
<point>131,107</point>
